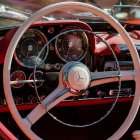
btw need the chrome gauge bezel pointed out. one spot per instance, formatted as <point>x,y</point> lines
<point>32,75</point>
<point>68,28</point>
<point>18,71</point>
<point>42,35</point>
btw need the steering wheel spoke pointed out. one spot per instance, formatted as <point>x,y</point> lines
<point>24,81</point>
<point>98,78</point>
<point>58,95</point>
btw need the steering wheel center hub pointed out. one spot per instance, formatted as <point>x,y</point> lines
<point>76,76</point>
<point>79,77</point>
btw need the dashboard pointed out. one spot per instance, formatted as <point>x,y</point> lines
<point>48,45</point>
<point>78,73</point>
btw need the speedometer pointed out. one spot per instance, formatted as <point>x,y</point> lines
<point>28,48</point>
<point>71,45</point>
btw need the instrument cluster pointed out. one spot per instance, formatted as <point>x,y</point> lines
<point>28,48</point>
<point>71,46</point>
<point>34,49</point>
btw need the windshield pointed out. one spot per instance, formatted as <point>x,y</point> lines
<point>31,6</point>
<point>34,5</point>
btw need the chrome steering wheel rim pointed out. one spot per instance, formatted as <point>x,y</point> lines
<point>46,11</point>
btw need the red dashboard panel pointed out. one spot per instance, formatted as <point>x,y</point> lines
<point>113,41</point>
<point>99,48</point>
<point>4,43</point>
<point>72,103</point>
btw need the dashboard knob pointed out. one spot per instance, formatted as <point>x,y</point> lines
<point>3,102</point>
<point>32,99</point>
<point>47,66</point>
<point>57,66</point>
<point>18,100</point>
<point>100,93</point>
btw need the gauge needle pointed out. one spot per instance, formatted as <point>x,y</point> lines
<point>28,53</point>
<point>69,46</point>
<point>30,48</point>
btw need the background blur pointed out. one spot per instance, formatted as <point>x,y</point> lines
<point>34,5</point>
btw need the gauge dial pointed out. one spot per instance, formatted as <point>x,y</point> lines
<point>39,76</point>
<point>17,76</point>
<point>71,46</point>
<point>28,48</point>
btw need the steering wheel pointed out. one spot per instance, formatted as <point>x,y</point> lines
<point>74,76</point>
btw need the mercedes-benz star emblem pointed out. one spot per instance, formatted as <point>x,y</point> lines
<point>80,77</point>
<point>76,76</point>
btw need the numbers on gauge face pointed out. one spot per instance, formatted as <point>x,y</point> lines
<point>71,46</point>
<point>29,47</point>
